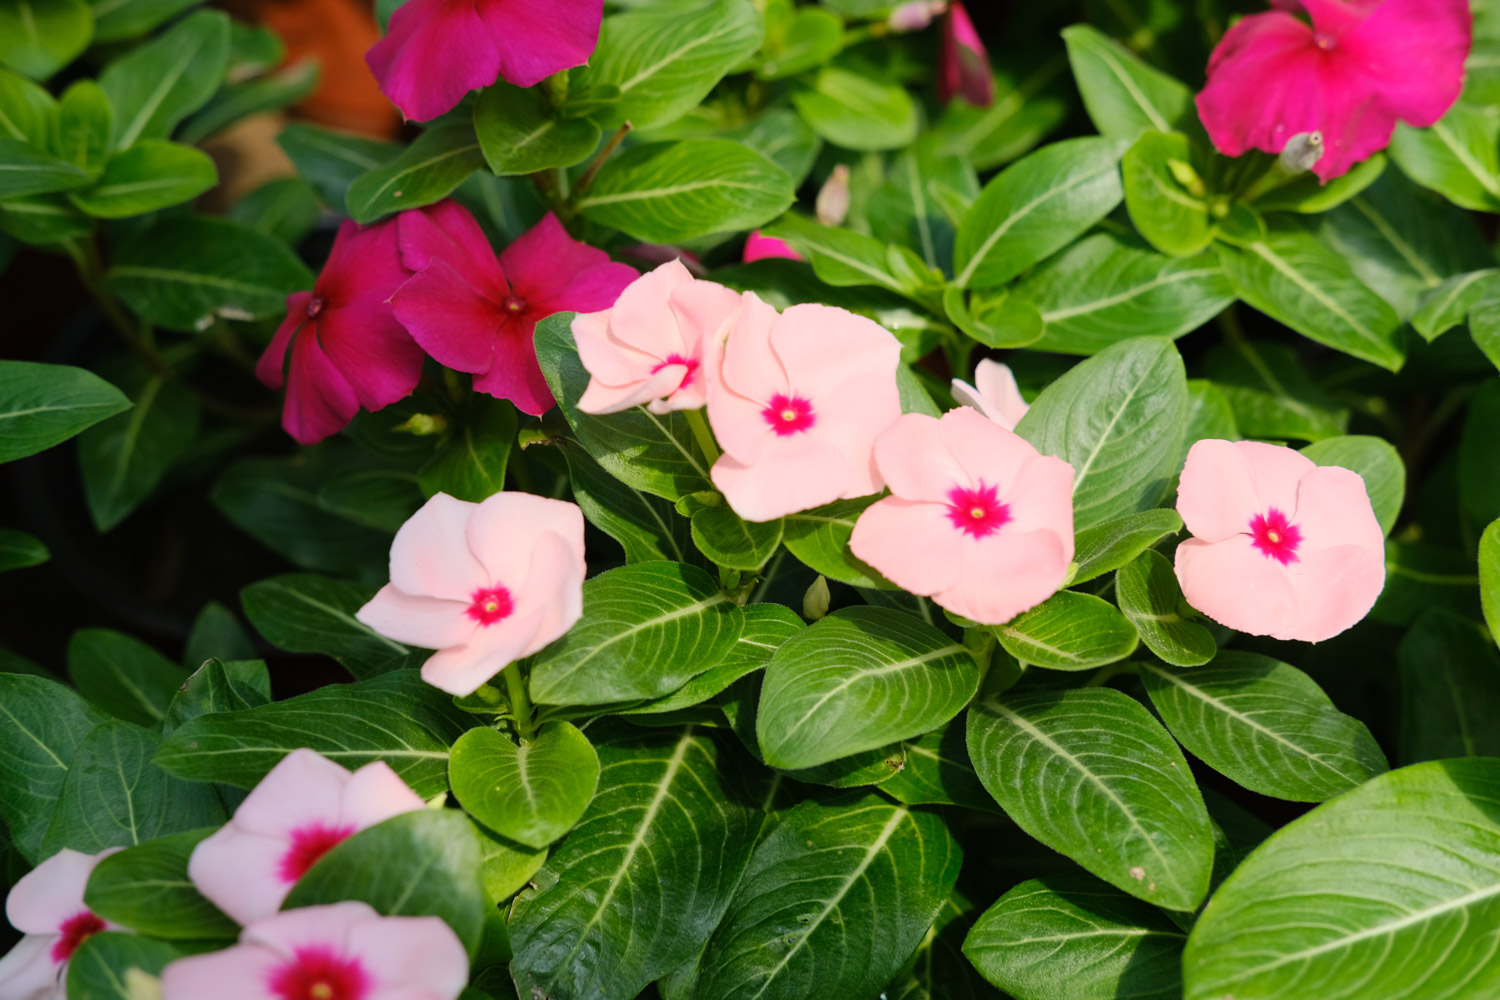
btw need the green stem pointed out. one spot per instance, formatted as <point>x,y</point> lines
<point>703,435</point>
<point>587,180</point>
<point>520,703</point>
<point>91,272</point>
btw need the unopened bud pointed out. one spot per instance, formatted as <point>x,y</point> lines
<point>423,425</point>
<point>915,15</point>
<point>1184,174</point>
<point>833,199</point>
<point>1302,151</point>
<point>815,602</point>
<point>141,985</point>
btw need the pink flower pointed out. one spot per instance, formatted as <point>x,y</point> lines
<point>1351,74</point>
<point>1280,546</point>
<point>436,51</point>
<point>47,906</point>
<point>347,351</point>
<point>914,15</point>
<point>759,247</point>
<point>994,394</point>
<point>476,313</point>
<point>483,583</point>
<point>963,64</point>
<point>306,806</point>
<point>648,349</point>
<point>343,951</point>
<point>977,519</point>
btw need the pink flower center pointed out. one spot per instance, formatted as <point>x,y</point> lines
<point>320,974</point>
<point>1275,537</point>
<point>1325,41</point>
<point>977,512</point>
<point>308,845</point>
<point>491,604</point>
<point>315,305</point>
<point>691,364</point>
<point>514,305</point>
<point>789,415</point>
<point>75,930</point>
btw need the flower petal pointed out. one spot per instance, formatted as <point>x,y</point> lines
<point>330,926</point>
<point>448,317</point>
<point>431,556</point>
<point>536,40</point>
<point>504,529</point>
<point>1235,585</point>
<point>790,474</point>
<point>304,787</point>
<point>822,347</point>
<point>271,368</point>
<point>1216,495</point>
<point>374,794</point>
<point>240,872</point>
<point>50,893</point>
<point>419,954</point>
<point>447,231</point>
<point>1333,509</point>
<point>433,54</point>
<point>911,542</point>
<point>319,400</point>
<point>1006,574</point>
<point>460,670</point>
<point>516,375</point>
<point>748,366</point>
<point>555,273</point>
<point>554,588</point>
<point>242,972</point>
<point>986,451</point>
<point>915,462</point>
<point>27,971</point>
<point>1335,589</point>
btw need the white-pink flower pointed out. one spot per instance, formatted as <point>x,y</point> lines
<point>484,584</point>
<point>648,349</point>
<point>977,519</point>
<point>302,809</point>
<point>1281,546</point>
<point>343,951</point>
<point>47,906</point>
<point>994,393</point>
<point>796,401</point>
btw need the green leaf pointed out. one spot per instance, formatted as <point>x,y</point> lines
<point>938,772</point>
<point>115,20</point>
<point>519,134</point>
<point>665,62</point>
<point>238,100</point>
<point>1118,419</point>
<point>1272,394</point>
<point>156,85</point>
<point>331,161</point>
<point>115,796</point>
<point>1071,937</point>
<point>122,675</point>
<point>124,458</point>
<point>1387,891</point>
<point>646,875</point>
<point>82,127</point>
<point>147,889</point>
<point>40,37</point>
<point>834,901</point>
<point>1478,473</point>
<point>727,540</point>
<point>1123,95</point>
<point>1035,208</point>
<point>1150,597</point>
<point>27,111</point>
<point>909,207</point>
<point>857,680</point>
<point>1419,576</point>
<point>1446,306</point>
<point>938,970</point>
<point>647,527</point>
<point>1378,464</point>
<point>101,967</point>
<point>303,613</point>
<point>417,864</point>
<point>819,538</point>
<point>1489,575</point>
<point>1296,280</point>
<point>1091,774</point>
<point>285,208</point>
<point>856,111</point>
<point>506,867</point>
<point>43,405</point>
<point>26,170</point>
<point>184,272</point>
<point>19,550</point>
<point>1069,631</point>
<point>1109,546</point>
<point>426,171</point>
<point>397,718</point>
<point>783,138</point>
<point>813,37</point>
<point>471,460</point>
<point>1172,219</point>
<point>1484,324</point>
<point>1266,725</point>
<point>1450,689</point>
<point>667,192</point>
<point>148,176</point>
<point>219,686</point>
<point>43,219</point>
<point>841,257</point>
<point>44,724</point>
<point>1107,288</point>
<point>646,630</point>
<point>531,793</point>
<point>1459,157</point>
<point>217,634</point>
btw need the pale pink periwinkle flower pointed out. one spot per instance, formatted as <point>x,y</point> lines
<point>914,15</point>
<point>342,951</point>
<point>302,809</point>
<point>834,197</point>
<point>796,401</point>
<point>994,393</point>
<point>484,584</point>
<point>1281,546</point>
<point>759,246</point>
<point>47,906</point>
<point>977,519</point>
<point>648,349</point>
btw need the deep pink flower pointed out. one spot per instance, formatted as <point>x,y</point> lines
<point>1281,546</point>
<point>796,401</point>
<point>648,350</point>
<point>1358,68</point>
<point>46,905</point>
<point>476,313</point>
<point>343,951</point>
<point>436,51</point>
<point>963,63</point>
<point>994,393</point>
<point>977,519</point>
<point>347,351</point>
<point>759,247</point>
<point>483,583</point>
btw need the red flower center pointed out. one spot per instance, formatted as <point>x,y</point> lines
<point>491,604</point>
<point>315,305</point>
<point>789,415</point>
<point>75,930</point>
<point>308,845</point>
<point>977,512</point>
<point>320,974</point>
<point>514,305</point>
<point>1275,537</point>
<point>691,364</point>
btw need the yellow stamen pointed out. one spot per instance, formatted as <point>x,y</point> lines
<point>977,513</point>
<point>788,415</point>
<point>321,991</point>
<point>1273,537</point>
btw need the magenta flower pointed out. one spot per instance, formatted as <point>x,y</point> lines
<point>1351,74</point>
<point>759,247</point>
<point>483,583</point>
<point>343,951</point>
<point>963,63</point>
<point>46,905</point>
<point>306,806</point>
<point>648,349</point>
<point>796,401</point>
<point>977,519</point>
<point>1280,546</point>
<point>347,351</point>
<point>436,51</point>
<point>476,313</point>
<point>994,393</point>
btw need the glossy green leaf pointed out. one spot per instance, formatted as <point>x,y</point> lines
<point>1484,324</point>
<point>519,134</point>
<point>29,171</point>
<point>124,458</point>
<point>1489,575</point>
<point>840,257</point>
<point>150,175</point>
<point>156,85</point>
<point>506,867</point>
<point>728,540</point>
<point>43,405</point>
<point>819,538</point>
<point>1002,321</point>
<point>1447,306</point>
<point>1272,395</point>
<point>1028,105</point>
<point>216,633</point>
<point>1377,462</point>
<point>783,138</point>
<point>40,37</point>
<point>1172,218</point>
<point>115,20</point>
<point>1459,157</point>
<point>1109,546</point>
<point>813,37</point>
<point>1123,95</point>
<point>238,99</point>
<point>18,550</point>
<point>909,208</point>
<point>43,219</point>
<point>426,171</point>
<point>147,889</point>
<point>82,128</point>
<point>647,527</point>
<point>107,965</point>
<point>331,161</point>
<point>27,111</point>
<point>471,460</point>
<point>1069,631</point>
<point>1151,598</point>
<point>531,792</point>
<point>122,675</point>
<point>44,724</point>
<point>938,772</point>
<point>938,970</point>
<point>219,686</point>
<point>303,613</point>
<point>285,208</point>
<point>857,111</point>
<point>1450,689</point>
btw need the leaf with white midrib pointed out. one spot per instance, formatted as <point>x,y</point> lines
<point>44,723</point>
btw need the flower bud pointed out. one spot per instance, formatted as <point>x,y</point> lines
<point>963,64</point>
<point>833,200</point>
<point>1301,152</point>
<point>915,15</point>
<point>423,425</point>
<point>1184,174</point>
<point>815,602</point>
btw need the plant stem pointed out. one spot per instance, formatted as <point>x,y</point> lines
<point>587,179</point>
<point>91,272</point>
<point>520,703</point>
<point>703,435</point>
